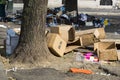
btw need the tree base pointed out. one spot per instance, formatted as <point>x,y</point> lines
<point>31,56</point>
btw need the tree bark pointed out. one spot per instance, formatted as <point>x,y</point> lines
<point>32,47</point>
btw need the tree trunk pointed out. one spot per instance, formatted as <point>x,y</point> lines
<point>32,45</point>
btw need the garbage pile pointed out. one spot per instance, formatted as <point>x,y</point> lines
<point>59,16</point>
<point>15,18</point>
<point>63,39</point>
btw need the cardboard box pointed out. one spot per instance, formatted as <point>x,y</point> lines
<point>84,40</point>
<point>87,39</point>
<point>118,53</point>
<point>100,33</point>
<point>56,44</point>
<point>106,50</point>
<point>66,32</point>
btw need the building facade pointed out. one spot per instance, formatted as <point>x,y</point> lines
<point>97,3</point>
<point>81,3</point>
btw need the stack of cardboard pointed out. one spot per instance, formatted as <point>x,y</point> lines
<point>65,36</point>
<point>59,37</point>
<point>106,50</point>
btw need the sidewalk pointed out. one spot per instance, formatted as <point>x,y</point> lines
<point>99,11</point>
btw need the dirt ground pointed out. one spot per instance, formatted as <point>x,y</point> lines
<point>59,69</point>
